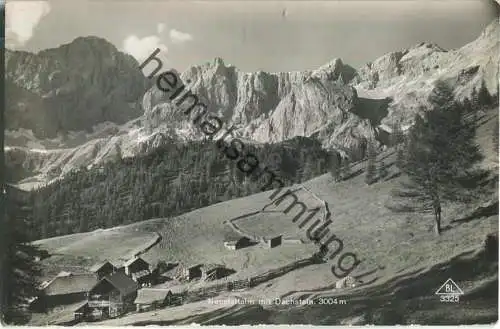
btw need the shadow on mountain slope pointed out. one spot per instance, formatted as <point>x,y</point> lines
<point>372,109</point>
<point>407,299</point>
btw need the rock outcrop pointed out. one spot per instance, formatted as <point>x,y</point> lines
<point>72,87</point>
<point>265,107</point>
<point>408,76</point>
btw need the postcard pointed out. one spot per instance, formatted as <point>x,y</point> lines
<point>250,162</point>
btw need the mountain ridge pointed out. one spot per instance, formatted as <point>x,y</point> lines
<point>79,84</point>
<point>340,106</point>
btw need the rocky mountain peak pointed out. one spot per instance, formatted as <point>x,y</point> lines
<point>427,45</point>
<point>92,44</point>
<point>492,30</point>
<point>217,62</point>
<point>336,104</point>
<point>79,84</point>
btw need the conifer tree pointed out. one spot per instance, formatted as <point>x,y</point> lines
<point>397,140</point>
<point>382,170</point>
<point>335,166</point>
<point>495,137</point>
<point>345,168</point>
<point>483,94</point>
<point>441,159</point>
<point>467,105</point>
<point>308,171</point>
<point>371,169</point>
<point>474,100</point>
<point>397,136</point>
<point>400,157</point>
<point>19,271</point>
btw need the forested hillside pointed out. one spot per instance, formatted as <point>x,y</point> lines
<point>170,181</point>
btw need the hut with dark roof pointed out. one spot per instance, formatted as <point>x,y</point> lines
<point>274,241</point>
<point>82,312</point>
<point>212,272</point>
<point>238,244</point>
<point>150,299</point>
<point>139,270</point>
<point>112,296</point>
<point>188,271</point>
<point>66,289</point>
<point>102,269</point>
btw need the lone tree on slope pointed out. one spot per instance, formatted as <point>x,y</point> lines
<point>441,159</point>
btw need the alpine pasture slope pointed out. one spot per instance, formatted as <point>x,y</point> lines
<point>399,253</point>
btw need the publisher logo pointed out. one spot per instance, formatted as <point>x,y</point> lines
<point>449,292</point>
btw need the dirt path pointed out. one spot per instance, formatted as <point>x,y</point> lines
<point>232,224</point>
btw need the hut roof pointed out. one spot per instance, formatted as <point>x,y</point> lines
<point>177,289</point>
<point>121,282</point>
<point>270,237</point>
<point>240,238</point>
<point>210,267</point>
<point>148,296</point>
<point>64,273</point>
<point>70,284</point>
<point>81,307</point>
<point>189,265</point>
<point>100,265</point>
<point>140,274</point>
<point>133,260</point>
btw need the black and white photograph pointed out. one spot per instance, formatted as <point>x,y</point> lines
<point>249,162</point>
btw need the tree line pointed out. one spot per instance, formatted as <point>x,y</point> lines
<point>167,182</point>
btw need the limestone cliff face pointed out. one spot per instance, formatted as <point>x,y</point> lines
<point>409,76</point>
<point>305,109</point>
<point>265,107</point>
<point>341,106</point>
<point>72,87</point>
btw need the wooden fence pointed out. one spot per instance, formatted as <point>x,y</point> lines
<point>201,293</point>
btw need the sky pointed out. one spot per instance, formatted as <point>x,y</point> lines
<point>252,35</point>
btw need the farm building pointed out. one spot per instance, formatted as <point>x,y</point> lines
<point>238,244</point>
<point>164,267</point>
<point>81,313</point>
<point>189,272</point>
<point>138,269</point>
<point>66,288</point>
<point>274,241</point>
<point>214,272</point>
<point>150,299</point>
<point>103,269</point>
<point>112,296</point>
